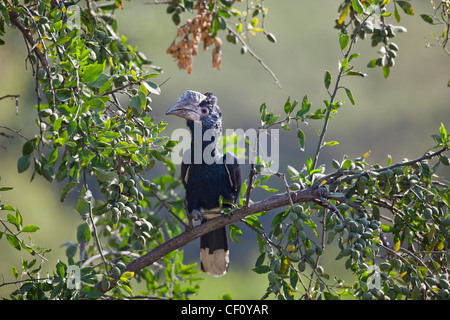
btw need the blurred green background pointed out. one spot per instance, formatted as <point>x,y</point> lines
<point>393,116</point>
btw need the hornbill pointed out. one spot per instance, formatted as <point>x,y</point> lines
<point>209,185</point>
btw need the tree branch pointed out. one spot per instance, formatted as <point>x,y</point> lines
<point>188,236</point>
<point>16,97</point>
<point>15,131</point>
<point>315,193</point>
<point>10,96</point>
<point>333,95</point>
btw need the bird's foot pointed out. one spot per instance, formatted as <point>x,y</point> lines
<point>196,215</point>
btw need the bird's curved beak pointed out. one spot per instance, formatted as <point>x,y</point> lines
<point>186,106</point>
<point>184,109</point>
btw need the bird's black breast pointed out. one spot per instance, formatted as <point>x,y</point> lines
<point>206,183</point>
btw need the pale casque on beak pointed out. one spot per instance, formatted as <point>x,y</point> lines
<point>187,106</point>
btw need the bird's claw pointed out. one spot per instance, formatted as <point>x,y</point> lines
<point>196,215</point>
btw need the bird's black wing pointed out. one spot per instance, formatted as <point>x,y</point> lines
<point>184,173</point>
<point>234,173</point>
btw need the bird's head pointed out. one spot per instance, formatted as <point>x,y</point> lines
<point>196,107</point>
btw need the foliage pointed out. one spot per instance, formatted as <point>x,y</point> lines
<point>96,131</point>
<point>96,135</point>
<point>210,18</point>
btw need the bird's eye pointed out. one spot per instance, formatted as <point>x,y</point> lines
<point>204,111</point>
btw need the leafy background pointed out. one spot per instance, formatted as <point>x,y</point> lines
<point>393,116</point>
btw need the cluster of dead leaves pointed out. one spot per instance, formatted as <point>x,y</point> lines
<point>189,36</point>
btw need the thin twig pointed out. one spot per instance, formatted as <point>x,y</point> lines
<point>262,234</point>
<point>164,203</point>
<point>350,175</point>
<point>410,265</point>
<point>16,97</point>
<point>159,2</point>
<point>253,54</point>
<point>15,131</point>
<point>10,96</point>
<point>87,262</point>
<point>333,96</point>
<point>94,227</point>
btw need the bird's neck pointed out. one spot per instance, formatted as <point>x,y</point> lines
<point>203,141</point>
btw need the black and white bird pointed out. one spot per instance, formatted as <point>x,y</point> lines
<point>210,179</point>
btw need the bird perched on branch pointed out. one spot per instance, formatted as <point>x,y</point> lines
<point>212,180</point>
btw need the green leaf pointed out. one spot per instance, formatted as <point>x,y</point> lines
<point>126,276</point>
<point>139,158</point>
<point>262,113</point>
<point>86,156</point>
<point>346,164</point>
<point>309,164</point>
<point>344,14</point>
<point>135,103</point>
<point>63,94</point>
<point>397,245</point>
<point>396,14</point>
<point>260,259</point>
<point>343,40</point>
<point>372,63</point>
<point>288,107</point>
<point>106,175</point>
<point>83,233</point>
<point>13,241</point>
<point>23,163</point>
<point>427,18</point>
<point>343,65</point>
<point>443,133</point>
<point>227,296</point>
<point>357,6</point>
<point>28,147</point>
<point>111,134</point>
<point>301,139</point>
<point>353,56</point>
<point>235,231</point>
<point>65,190</point>
<point>92,72</point>
<point>152,87</point>
<point>267,188</point>
<point>14,220</point>
<point>356,73</point>
<point>53,156</point>
<point>386,71</point>
<point>306,105</point>
<point>271,37</point>
<point>331,143</point>
<point>83,206</point>
<point>327,79</point>
<point>30,228</point>
<point>7,207</point>
<point>350,96</point>
<point>56,290</point>
<point>262,269</point>
<point>406,7</point>
<point>61,269</point>
<point>96,104</point>
<point>14,272</point>
<point>91,292</point>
